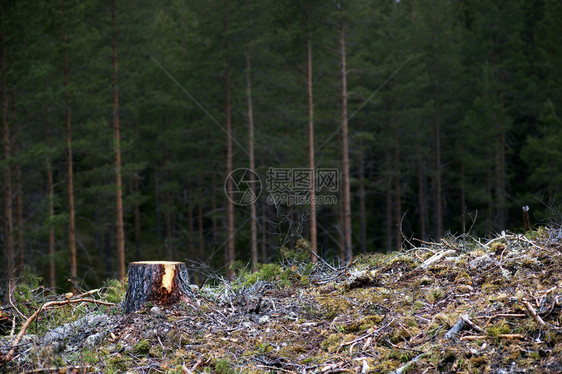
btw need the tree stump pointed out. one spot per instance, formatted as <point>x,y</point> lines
<point>158,282</point>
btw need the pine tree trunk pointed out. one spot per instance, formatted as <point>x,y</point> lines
<point>8,218</point>
<point>362,202</point>
<point>437,141</point>
<point>500,174</point>
<point>51,206</point>
<point>190,231</point>
<point>158,205</point>
<point>19,217</point>
<point>313,239</point>
<point>341,236</point>
<point>200,231</point>
<point>253,210</point>
<point>264,234</point>
<point>137,217</point>
<point>120,235</point>
<point>169,229</point>
<point>421,194</point>
<point>159,282</point>
<point>214,223</point>
<point>69,159</point>
<point>51,197</point>
<point>345,151</point>
<point>437,166</point>
<point>18,194</point>
<point>489,198</point>
<point>230,252</point>
<point>397,192</point>
<point>108,256</point>
<point>388,200</point>
<point>462,181</point>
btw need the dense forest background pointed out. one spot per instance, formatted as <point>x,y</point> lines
<point>451,116</point>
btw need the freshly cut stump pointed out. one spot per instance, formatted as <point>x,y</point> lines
<point>160,282</point>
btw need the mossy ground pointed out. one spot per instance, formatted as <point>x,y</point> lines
<point>379,314</point>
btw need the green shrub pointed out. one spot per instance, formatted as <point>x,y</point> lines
<point>115,290</point>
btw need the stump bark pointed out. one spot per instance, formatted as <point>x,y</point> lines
<point>158,282</point>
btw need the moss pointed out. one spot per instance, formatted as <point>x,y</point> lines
<point>400,333</point>
<point>142,347</point>
<point>434,295</point>
<point>178,338</point>
<point>333,306</point>
<point>386,366</point>
<point>425,281</point>
<point>463,289</point>
<point>490,287</point>
<point>90,357</point>
<point>373,260</point>
<point>118,363</point>
<point>326,289</point>
<point>403,262</point>
<point>115,290</point>
<point>463,278</point>
<point>350,327</point>
<point>513,352</point>
<point>180,356</point>
<point>535,234</point>
<point>497,247</point>
<point>155,351</point>
<point>418,305</point>
<point>369,321</point>
<point>292,351</point>
<point>223,366</point>
<point>332,342</point>
<point>553,337</point>
<point>499,328</point>
<point>264,348</point>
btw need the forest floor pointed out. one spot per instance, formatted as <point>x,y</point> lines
<point>462,305</point>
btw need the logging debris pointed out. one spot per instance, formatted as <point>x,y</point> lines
<point>462,305</point>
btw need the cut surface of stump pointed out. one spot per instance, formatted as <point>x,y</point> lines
<point>158,282</point>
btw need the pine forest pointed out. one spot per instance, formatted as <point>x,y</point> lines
<point>222,133</point>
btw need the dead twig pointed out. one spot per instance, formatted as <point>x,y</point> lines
<point>354,341</point>
<point>503,336</point>
<point>457,327</point>
<point>472,324</point>
<point>436,258</point>
<point>47,305</point>
<point>57,369</point>
<point>533,313</point>
<point>10,293</point>
<point>407,365</point>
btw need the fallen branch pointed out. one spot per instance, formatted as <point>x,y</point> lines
<point>57,369</point>
<point>457,327</point>
<point>503,336</point>
<point>436,258</point>
<point>472,324</point>
<point>366,335</point>
<point>407,365</point>
<point>185,370</point>
<point>47,305</point>
<point>515,315</point>
<point>533,313</point>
